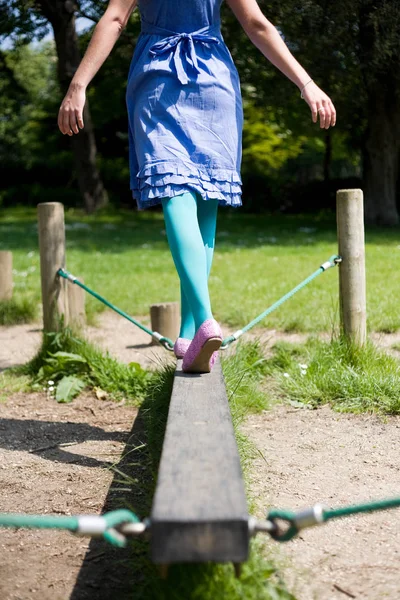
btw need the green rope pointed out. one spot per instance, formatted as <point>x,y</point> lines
<point>337,513</point>
<point>39,521</point>
<point>164,341</point>
<point>318,515</point>
<point>332,262</point>
<point>168,344</point>
<point>92,525</point>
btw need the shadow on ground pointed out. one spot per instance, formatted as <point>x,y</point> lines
<point>106,572</point>
<point>109,572</point>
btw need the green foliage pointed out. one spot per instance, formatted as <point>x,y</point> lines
<point>16,311</point>
<point>267,147</point>
<point>12,382</point>
<point>68,388</point>
<point>244,368</point>
<point>346,376</point>
<point>63,355</point>
<point>259,581</point>
<point>29,127</point>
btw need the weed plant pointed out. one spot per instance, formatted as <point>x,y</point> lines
<point>73,363</point>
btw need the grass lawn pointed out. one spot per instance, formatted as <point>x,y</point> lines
<point>125,257</point>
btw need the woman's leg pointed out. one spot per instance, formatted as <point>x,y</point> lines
<point>188,327</point>
<point>187,249</point>
<point>207,219</point>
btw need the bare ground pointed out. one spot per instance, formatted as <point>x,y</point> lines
<point>319,455</point>
<point>58,459</point>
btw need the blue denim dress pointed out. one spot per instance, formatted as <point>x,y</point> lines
<point>184,105</point>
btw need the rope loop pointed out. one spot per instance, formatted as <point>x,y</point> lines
<point>278,533</point>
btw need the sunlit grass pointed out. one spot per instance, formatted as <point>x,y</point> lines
<point>125,257</point>
<point>348,377</point>
<point>17,310</point>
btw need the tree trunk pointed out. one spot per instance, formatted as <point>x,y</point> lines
<point>382,157</point>
<point>61,14</point>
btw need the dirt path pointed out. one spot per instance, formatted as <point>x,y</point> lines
<point>57,458</point>
<point>19,343</point>
<point>321,456</point>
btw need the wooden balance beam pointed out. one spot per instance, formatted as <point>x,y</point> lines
<point>199,509</point>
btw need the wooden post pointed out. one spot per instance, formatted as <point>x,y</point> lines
<point>199,508</point>
<point>165,319</point>
<point>76,305</point>
<point>52,257</point>
<point>6,278</point>
<point>352,286</point>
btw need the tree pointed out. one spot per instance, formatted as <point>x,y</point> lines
<point>25,21</point>
<point>351,48</point>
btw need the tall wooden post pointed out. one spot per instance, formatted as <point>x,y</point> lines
<point>165,319</point>
<point>52,257</point>
<point>352,286</point>
<point>6,278</point>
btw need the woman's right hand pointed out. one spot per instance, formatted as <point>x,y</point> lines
<point>70,115</point>
<point>320,104</point>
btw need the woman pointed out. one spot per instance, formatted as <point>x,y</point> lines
<point>185,125</point>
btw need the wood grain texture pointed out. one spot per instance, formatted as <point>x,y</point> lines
<point>352,284</point>
<point>76,306</point>
<point>165,319</point>
<point>6,275</point>
<point>199,510</point>
<point>52,257</point>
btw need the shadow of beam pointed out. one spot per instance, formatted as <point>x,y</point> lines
<point>106,572</point>
<point>116,573</point>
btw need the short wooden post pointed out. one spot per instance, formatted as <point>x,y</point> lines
<point>76,305</point>
<point>52,257</point>
<point>6,278</point>
<point>165,319</point>
<point>352,286</point>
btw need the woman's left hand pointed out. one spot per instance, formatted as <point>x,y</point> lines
<point>320,104</point>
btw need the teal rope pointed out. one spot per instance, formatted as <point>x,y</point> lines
<point>295,519</point>
<point>111,521</point>
<point>346,511</point>
<point>166,342</point>
<point>39,521</point>
<point>332,262</point>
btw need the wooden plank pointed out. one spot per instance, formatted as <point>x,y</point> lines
<point>199,509</point>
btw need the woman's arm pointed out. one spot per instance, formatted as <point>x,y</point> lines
<point>266,38</point>
<point>105,34</point>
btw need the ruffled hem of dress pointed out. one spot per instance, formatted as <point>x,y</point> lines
<point>163,180</point>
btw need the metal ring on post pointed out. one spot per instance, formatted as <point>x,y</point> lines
<point>167,344</point>
<point>164,341</point>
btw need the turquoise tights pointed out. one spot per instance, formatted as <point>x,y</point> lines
<point>190,223</point>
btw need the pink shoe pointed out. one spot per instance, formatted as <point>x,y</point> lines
<point>201,354</point>
<point>180,347</point>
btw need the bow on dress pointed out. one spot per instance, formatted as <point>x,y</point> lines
<point>183,48</point>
